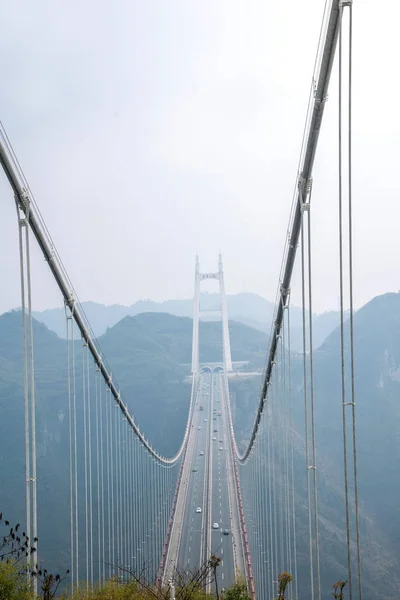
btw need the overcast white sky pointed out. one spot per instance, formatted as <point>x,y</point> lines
<point>150,130</point>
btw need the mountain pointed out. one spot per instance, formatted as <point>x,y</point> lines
<point>149,354</point>
<point>377,394</point>
<point>249,309</point>
<point>150,358</point>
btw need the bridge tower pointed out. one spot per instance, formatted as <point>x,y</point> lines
<point>198,277</point>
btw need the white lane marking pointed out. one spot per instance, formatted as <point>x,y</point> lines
<point>222,576</point>
<point>190,547</point>
<point>188,560</point>
<point>190,539</point>
<point>222,550</point>
<point>222,563</point>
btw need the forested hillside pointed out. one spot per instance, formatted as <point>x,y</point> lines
<point>377,393</point>
<point>150,358</point>
<point>150,354</point>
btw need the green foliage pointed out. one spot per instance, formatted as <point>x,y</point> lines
<point>111,590</point>
<point>13,584</point>
<point>238,591</point>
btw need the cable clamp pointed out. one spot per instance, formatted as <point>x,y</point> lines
<point>304,186</point>
<point>349,403</point>
<point>343,3</point>
<point>25,201</point>
<point>285,295</point>
<point>312,467</point>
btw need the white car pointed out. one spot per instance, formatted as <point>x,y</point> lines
<point>205,420</point>
<point>215,525</point>
<point>202,452</point>
<point>214,439</point>
<point>220,448</point>
<point>198,509</point>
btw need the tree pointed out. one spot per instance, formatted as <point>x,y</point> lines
<point>283,581</point>
<point>13,584</point>
<point>14,545</point>
<point>338,590</point>
<point>238,591</point>
<point>214,564</point>
<point>49,583</point>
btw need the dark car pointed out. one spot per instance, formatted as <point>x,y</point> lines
<point>226,532</point>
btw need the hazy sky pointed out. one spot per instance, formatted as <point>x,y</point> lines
<point>150,130</point>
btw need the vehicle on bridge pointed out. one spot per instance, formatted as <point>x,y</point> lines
<point>198,509</point>
<point>215,526</point>
<point>226,532</point>
<point>201,452</point>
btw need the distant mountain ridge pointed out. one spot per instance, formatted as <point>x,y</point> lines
<point>251,309</point>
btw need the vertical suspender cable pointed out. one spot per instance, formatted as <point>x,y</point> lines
<point>279,380</point>
<point>69,325</point>
<point>125,519</point>
<point>26,395</point>
<point>75,453</point>
<point>341,294</point>
<point>351,316</point>
<point>32,397</point>
<point>89,424</point>
<point>117,482</point>
<point>271,557</point>
<point>286,487</point>
<point>98,493</point>
<point>103,521</point>
<point>112,479</point>
<point>313,440</point>
<point>350,403</point>
<point>108,467</point>
<point>85,452</point>
<point>292,494</point>
<point>305,384</point>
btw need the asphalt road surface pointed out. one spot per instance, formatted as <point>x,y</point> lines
<point>208,486</point>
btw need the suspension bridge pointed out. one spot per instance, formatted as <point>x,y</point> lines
<point>131,507</point>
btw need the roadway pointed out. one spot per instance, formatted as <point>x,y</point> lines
<point>191,548</point>
<point>221,544</point>
<point>209,487</point>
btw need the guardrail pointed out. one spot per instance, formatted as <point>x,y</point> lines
<point>162,566</point>
<point>245,539</point>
